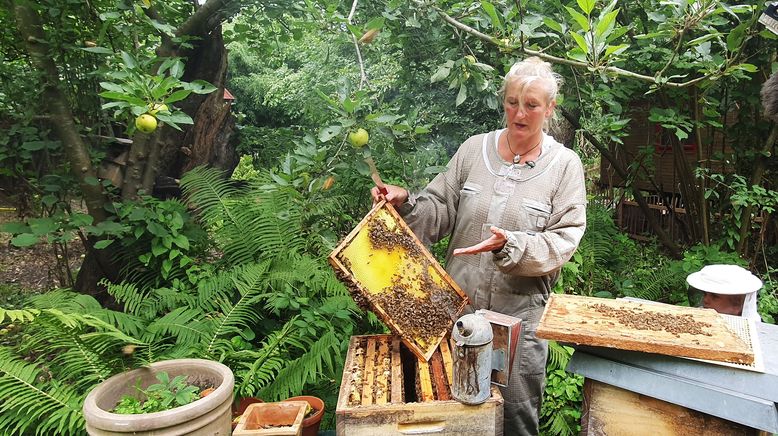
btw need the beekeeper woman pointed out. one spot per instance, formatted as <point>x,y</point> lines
<point>728,289</point>
<point>514,203</point>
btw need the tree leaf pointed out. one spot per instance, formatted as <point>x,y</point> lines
<point>128,60</point>
<point>580,19</point>
<point>553,25</point>
<point>442,72</point>
<point>24,240</point>
<point>98,50</point>
<point>178,96</point>
<point>580,41</point>
<point>462,95</point>
<point>103,243</point>
<point>586,6</point>
<point>330,132</point>
<point>489,8</point>
<point>605,26</point>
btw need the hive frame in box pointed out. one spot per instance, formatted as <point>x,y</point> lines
<point>373,394</point>
<point>384,207</point>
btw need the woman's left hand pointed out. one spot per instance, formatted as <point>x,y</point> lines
<point>495,242</point>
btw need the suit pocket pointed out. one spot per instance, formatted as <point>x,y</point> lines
<point>538,214</point>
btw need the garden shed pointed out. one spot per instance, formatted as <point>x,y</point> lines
<point>648,152</point>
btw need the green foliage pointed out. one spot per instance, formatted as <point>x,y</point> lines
<point>560,413</point>
<point>158,397</point>
<point>33,402</point>
<point>135,92</point>
<point>767,303</point>
<point>269,306</point>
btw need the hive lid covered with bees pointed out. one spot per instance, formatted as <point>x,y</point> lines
<point>387,268</point>
<point>388,390</point>
<point>642,326</point>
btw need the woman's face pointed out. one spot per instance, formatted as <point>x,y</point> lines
<point>526,112</point>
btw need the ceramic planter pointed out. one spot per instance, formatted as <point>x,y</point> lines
<point>210,415</point>
<point>311,424</point>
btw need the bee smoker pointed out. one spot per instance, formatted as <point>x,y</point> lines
<point>472,370</point>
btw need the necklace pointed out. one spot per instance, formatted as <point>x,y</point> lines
<point>517,156</point>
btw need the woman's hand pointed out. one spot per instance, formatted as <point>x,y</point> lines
<point>495,242</point>
<point>395,195</point>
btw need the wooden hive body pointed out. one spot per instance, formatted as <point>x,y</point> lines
<point>386,267</point>
<point>387,390</point>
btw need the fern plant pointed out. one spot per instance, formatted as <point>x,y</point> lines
<point>560,413</point>
<point>262,300</point>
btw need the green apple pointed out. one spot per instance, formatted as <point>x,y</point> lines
<point>146,123</point>
<point>358,138</point>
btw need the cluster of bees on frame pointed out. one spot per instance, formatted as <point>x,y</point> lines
<point>424,317</point>
<point>644,320</point>
<point>382,366</point>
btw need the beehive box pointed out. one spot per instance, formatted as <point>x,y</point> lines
<point>387,268</point>
<point>387,390</point>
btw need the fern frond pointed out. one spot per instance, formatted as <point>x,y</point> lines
<point>266,361</point>
<point>126,293</point>
<point>235,317</point>
<point>26,402</point>
<point>83,349</point>
<point>560,425</point>
<point>15,315</point>
<point>185,324</point>
<point>305,369</point>
<point>653,287</point>
<point>558,355</point>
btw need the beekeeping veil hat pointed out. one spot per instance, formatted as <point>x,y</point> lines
<point>729,280</point>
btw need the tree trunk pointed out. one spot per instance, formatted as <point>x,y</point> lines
<point>207,142</point>
<point>169,152</point>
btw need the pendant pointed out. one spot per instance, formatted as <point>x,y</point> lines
<point>516,159</point>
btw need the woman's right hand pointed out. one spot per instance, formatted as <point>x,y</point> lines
<point>395,195</point>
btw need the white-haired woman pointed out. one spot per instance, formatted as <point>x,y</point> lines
<point>514,203</point>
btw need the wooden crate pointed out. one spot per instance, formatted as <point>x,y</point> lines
<point>609,410</point>
<point>651,328</point>
<point>386,267</point>
<point>379,395</point>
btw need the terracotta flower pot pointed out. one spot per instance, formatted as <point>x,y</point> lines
<point>207,416</point>
<point>312,423</point>
<point>240,406</point>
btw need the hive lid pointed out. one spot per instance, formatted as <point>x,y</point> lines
<point>386,267</point>
<point>652,328</point>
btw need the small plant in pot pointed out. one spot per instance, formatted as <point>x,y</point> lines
<point>165,395</point>
<point>148,415</point>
